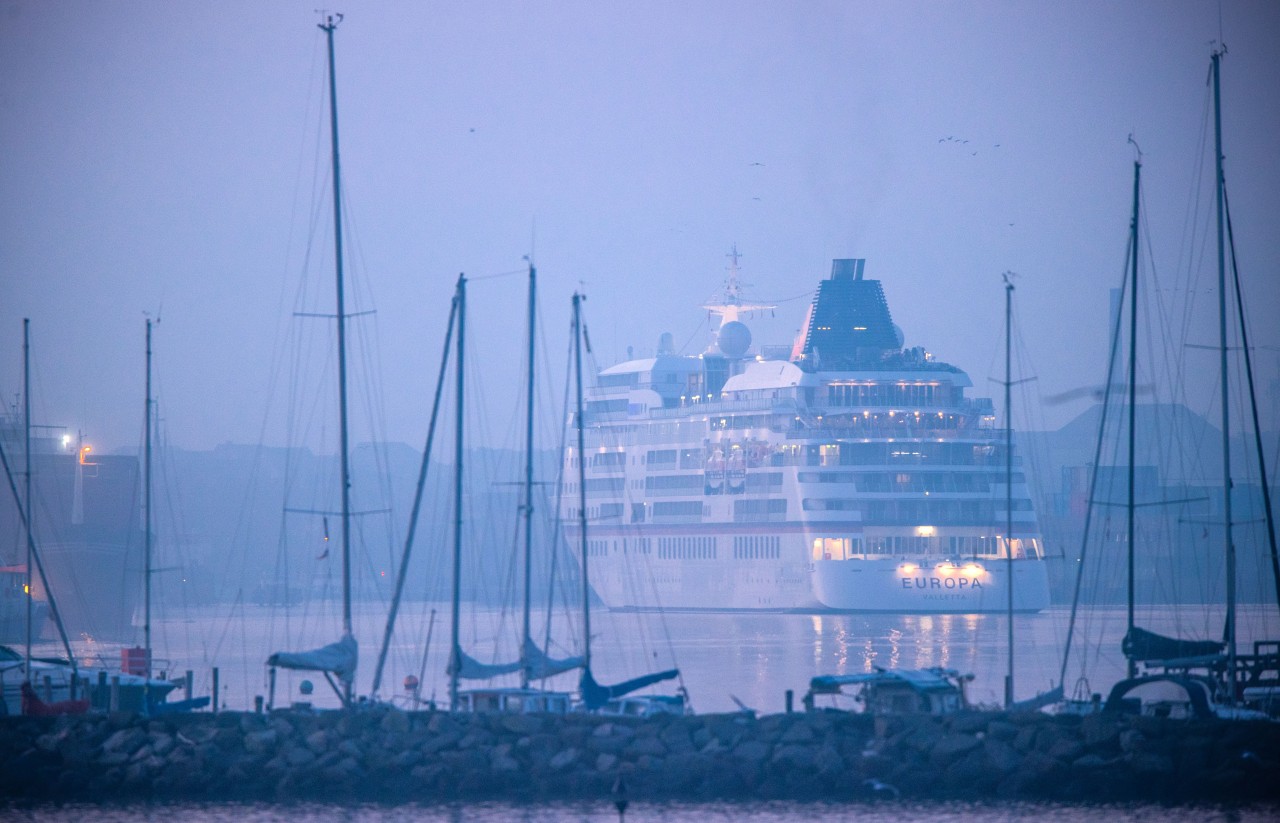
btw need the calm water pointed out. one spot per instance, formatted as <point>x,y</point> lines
<point>754,658</point>
<point>647,813</point>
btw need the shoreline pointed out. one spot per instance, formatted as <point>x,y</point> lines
<point>377,754</point>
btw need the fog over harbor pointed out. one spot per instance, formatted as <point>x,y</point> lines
<point>172,162</point>
<point>172,159</point>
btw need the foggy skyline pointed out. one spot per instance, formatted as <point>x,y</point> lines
<point>174,159</point>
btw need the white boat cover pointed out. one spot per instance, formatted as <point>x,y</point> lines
<point>339,658</point>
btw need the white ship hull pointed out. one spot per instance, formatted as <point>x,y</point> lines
<point>625,579</point>
<point>890,585</point>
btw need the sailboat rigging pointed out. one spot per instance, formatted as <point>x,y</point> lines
<point>22,504</point>
<point>339,658</point>
<point>147,528</point>
<point>533,663</point>
<point>596,697</point>
<point>1215,676</point>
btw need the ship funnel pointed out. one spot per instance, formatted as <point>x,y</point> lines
<point>847,269</point>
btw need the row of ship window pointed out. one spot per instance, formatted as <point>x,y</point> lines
<point>769,547</point>
<point>866,482</point>
<point>871,512</point>
<point>760,453</point>
<point>746,547</point>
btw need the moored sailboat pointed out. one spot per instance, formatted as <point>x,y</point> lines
<point>618,698</point>
<point>338,659</point>
<point>533,663</point>
<point>1168,675</point>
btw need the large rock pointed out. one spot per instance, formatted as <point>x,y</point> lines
<point>953,746</point>
<point>752,751</point>
<point>523,724</point>
<point>645,746</point>
<point>1002,757</point>
<point>794,756</point>
<point>798,733</point>
<point>1099,730</point>
<point>126,740</point>
<point>563,760</point>
<point>261,741</point>
<point>395,722</point>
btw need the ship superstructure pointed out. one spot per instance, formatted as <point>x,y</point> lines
<point>849,474</point>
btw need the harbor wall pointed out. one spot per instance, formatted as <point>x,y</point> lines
<point>385,755</point>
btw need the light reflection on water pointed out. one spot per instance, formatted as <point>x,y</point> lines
<point>754,657</point>
<point>773,812</point>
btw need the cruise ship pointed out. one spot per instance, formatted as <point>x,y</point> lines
<point>845,473</point>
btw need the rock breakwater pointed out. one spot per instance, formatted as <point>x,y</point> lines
<point>380,754</point>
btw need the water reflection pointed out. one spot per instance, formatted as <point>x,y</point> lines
<point>755,657</point>
<point>601,811</point>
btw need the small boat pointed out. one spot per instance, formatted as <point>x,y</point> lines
<point>97,688</point>
<point>1175,695</point>
<point>933,691</point>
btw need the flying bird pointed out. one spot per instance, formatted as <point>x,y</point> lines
<point>757,164</point>
<point>880,789</point>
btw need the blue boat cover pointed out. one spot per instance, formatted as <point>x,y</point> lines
<point>594,695</point>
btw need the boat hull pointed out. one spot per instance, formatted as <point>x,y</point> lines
<point>890,585</point>
<point>625,579</point>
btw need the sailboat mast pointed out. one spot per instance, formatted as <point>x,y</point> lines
<point>146,527</point>
<point>328,26</point>
<point>417,508</point>
<point>26,499</point>
<point>1226,417</point>
<point>1268,514</point>
<point>528,481</point>
<point>455,656</point>
<point>582,482</point>
<point>1133,365</point>
<point>1008,476</point>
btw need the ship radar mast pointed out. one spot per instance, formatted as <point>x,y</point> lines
<point>731,306</point>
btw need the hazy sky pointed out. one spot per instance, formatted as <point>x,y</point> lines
<point>171,156</point>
